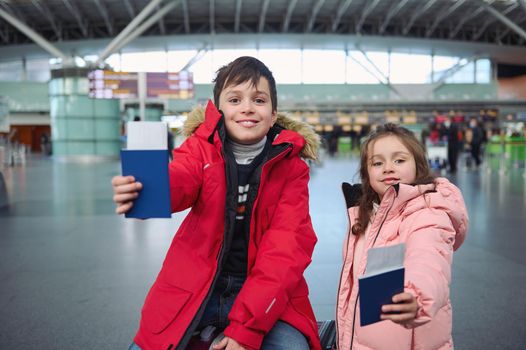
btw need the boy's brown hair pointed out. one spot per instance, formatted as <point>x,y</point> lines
<point>241,70</point>
<point>423,172</point>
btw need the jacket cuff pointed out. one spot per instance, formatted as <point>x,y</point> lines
<point>421,316</point>
<point>249,339</point>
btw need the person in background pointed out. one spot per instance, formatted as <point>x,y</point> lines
<point>399,201</point>
<point>454,144</point>
<point>477,139</point>
<point>237,260</point>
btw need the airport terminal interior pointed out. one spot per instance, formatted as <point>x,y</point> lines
<point>73,74</point>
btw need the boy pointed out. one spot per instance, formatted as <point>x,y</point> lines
<point>237,261</point>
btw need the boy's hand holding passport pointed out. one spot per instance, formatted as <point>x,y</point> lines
<point>146,159</point>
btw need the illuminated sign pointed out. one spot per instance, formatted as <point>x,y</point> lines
<point>170,85</point>
<point>109,84</point>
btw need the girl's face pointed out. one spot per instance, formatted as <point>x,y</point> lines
<point>389,162</point>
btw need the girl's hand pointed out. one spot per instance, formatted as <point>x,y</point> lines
<point>228,344</point>
<point>125,190</point>
<point>402,311</point>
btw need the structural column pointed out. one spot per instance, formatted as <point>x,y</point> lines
<point>82,128</point>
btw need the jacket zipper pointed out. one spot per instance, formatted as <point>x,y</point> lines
<point>280,153</point>
<point>358,295</point>
<point>197,317</point>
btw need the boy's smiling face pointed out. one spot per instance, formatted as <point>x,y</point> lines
<point>248,111</point>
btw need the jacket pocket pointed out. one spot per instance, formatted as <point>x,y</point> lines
<point>163,304</point>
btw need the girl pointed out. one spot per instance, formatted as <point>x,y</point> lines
<point>400,201</point>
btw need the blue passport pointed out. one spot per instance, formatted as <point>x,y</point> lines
<point>149,167</point>
<point>377,290</point>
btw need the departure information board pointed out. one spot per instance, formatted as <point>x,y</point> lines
<point>109,84</point>
<point>170,85</point>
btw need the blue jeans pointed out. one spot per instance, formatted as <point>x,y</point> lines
<point>281,337</point>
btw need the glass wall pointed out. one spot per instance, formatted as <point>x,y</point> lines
<point>312,66</point>
<point>290,66</point>
<point>28,70</point>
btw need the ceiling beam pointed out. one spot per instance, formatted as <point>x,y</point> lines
<point>105,15</point>
<point>186,17</point>
<point>344,5</point>
<point>491,20</point>
<point>237,19</point>
<point>126,31</point>
<point>31,34</point>
<point>129,8</point>
<point>198,55</point>
<point>162,27</point>
<point>392,12</point>
<point>148,23</point>
<point>212,16</point>
<point>367,10</point>
<point>262,14</point>
<point>74,10</point>
<point>465,19</point>
<point>288,15</point>
<point>4,34</point>
<point>510,24</point>
<point>13,11</point>
<point>443,15</point>
<point>314,12</point>
<point>42,7</point>
<point>520,20</point>
<point>417,14</point>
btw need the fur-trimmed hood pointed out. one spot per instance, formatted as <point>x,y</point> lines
<point>312,140</point>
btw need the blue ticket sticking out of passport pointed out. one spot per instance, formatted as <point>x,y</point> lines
<point>150,168</point>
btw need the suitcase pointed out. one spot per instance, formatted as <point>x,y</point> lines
<point>327,332</point>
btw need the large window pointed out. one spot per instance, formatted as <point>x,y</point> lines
<point>483,71</point>
<point>316,73</point>
<point>367,68</point>
<point>410,69</point>
<point>289,66</point>
<point>153,61</point>
<point>284,64</point>
<point>315,66</point>
<point>442,65</point>
<point>463,73</point>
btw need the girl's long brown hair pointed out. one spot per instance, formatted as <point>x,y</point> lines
<point>423,172</point>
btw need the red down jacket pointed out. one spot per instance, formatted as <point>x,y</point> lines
<point>280,247</point>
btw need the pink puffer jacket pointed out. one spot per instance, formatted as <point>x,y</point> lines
<point>432,225</point>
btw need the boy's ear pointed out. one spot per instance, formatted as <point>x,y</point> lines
<point>274,117</point>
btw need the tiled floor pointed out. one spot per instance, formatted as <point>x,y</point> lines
<point>74,275</point>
